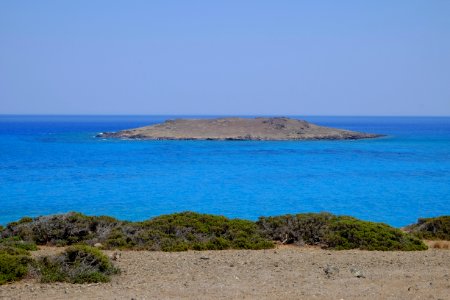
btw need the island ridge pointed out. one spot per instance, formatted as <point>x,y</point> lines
<point>234,128</point>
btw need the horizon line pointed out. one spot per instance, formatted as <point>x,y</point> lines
<point>207,115</point>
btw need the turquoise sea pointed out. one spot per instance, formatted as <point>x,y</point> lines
<point>54,164</point>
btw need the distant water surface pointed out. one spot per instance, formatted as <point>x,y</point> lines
<point>54,164</point>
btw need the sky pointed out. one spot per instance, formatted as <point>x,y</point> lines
<point>243,57</point>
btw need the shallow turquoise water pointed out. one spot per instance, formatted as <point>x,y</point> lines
<point>53,164</point>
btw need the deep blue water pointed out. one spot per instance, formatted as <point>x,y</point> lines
<point>53,164</point>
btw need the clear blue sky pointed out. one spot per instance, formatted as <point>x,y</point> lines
<point>225,57</point>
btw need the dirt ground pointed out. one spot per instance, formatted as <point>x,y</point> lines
<point>283,273</point>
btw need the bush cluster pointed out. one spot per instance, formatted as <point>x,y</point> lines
<point>176,232</point>
<point>431,228</point>
<point>62,230</point>
<point>16,242</point>
<point>81,263</point>
<point>194,231</point>
<point>337,232</point>
<point>350,233</point>
<point>188,230</point>
<point>14,263</point>
<point>299,229</point>
<point>77,264</point>
<point>14,259</point>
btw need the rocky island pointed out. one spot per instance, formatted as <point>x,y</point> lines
<point>260,128</point>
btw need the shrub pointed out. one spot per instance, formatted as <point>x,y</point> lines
<point>118,239</point>
<point>16,242</point>
<point>351,233</point>
<point>13,263</point>
<point>188,230</point>
<point>337,232</point>
<point>61,230</point>
<point>431,228</point>
<point>175,232</point>
<point>297,229</point>
<point>78,264</point>
<point>25,220</point>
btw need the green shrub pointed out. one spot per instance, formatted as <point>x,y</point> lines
<point>25,220</point>
<point>13,263</point>
<point>337,232</point>
<point>431,228</point>
<point>16,242</point>
<point>176,232</point>
<point>189,230</point>
<point>118,239</point>
<point>78,264</point>
<point>13,251</point>
<point>351,233</point>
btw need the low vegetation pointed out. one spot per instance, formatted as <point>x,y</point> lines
<point>62,230</point>
<point>300,229</point>
<point>351,233</point>
<point>15,258</point>
<point>337,232</point>
<point>77,264</point>
<point>18,243</point>
<point>194,231</point>
<point>82,263</point>
<point>188,230</point>
<point>176,232</point>
<point>14,263</point>
<point>431,228</point>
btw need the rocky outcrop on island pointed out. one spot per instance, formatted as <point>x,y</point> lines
<point>261,128</point>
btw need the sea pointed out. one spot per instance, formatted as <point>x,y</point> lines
<point>55,164</point>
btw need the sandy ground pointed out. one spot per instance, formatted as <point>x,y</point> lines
<point>283,273</point>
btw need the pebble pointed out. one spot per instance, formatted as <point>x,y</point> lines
<point>357,273</point>
<point>331,271</point>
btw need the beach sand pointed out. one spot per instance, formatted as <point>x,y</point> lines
<point>282,273</point>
